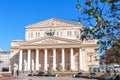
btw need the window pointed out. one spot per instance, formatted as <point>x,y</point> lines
<point>75,33</point>
<point>38,34</point>
<point>57,33</point>
<point>67,33</point>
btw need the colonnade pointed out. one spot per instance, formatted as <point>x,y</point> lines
<point>30,62</point>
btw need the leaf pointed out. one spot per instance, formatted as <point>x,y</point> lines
<point>78,6</point>
<point>88,3</point>
<point>102,1</point>
<point>111,1</point>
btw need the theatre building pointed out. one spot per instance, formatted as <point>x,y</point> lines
<point>53,44</point>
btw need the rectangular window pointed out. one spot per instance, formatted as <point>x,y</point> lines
<point>67,33</point>
<point>38,34</point>
<point>57,33</point>
<point>75,33</point>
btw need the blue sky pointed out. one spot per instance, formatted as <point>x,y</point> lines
<point>16,14</point>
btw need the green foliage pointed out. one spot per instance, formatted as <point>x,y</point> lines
<point>112,55</point>
<point>111,1</point>
<point>102,1</point>
<point>78,6</point>
<point>88,3</point>
<point>101,20</point>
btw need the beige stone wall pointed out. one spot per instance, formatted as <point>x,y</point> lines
<point>89,57</point>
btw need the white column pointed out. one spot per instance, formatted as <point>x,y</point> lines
<point>25,65</point>
<point>20,60</point>
<point>71,59</point>
<point>45,60</point>
<point>80,59</point>
<point>33,63</point>
<point>25,62</point>
<point>37,59</point>
<point>29,59</point>
<point>54,59</point>
<point>63,60</point>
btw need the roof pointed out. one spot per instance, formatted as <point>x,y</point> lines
<point>53,22</point>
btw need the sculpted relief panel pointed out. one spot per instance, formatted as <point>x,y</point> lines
<point>49,41</point>
<point>52,23</point>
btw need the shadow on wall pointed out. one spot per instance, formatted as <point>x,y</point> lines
<point>14,61</point>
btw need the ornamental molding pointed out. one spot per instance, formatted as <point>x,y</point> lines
<point>54,23</point>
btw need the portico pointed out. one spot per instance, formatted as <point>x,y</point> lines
<point>57,59</point>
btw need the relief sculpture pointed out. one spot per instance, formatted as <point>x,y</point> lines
<point>49,41</point>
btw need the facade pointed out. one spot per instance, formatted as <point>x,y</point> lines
<point>4,60</point>
<point>53,44</point>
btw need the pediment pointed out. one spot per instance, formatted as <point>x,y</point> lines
<point>51,40</point>
<point>53,23</point>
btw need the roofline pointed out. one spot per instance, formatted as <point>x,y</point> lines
<point>70,22</point>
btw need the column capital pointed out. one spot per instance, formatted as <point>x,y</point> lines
<point>36,48</point>
<point>71,48</point>
<point>54,48</point>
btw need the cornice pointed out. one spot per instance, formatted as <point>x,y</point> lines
<point>53,23</point>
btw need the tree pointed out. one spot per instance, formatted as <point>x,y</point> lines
<point>112,55</point>
<point>100,20</point>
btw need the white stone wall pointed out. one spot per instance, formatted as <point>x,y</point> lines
<point>60,28</point>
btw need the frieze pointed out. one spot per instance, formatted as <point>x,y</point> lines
<point>49,41</point>
<point>52,23</point>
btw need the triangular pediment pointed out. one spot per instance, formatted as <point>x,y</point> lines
<point>53,22</point>
<point>51,40</point>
